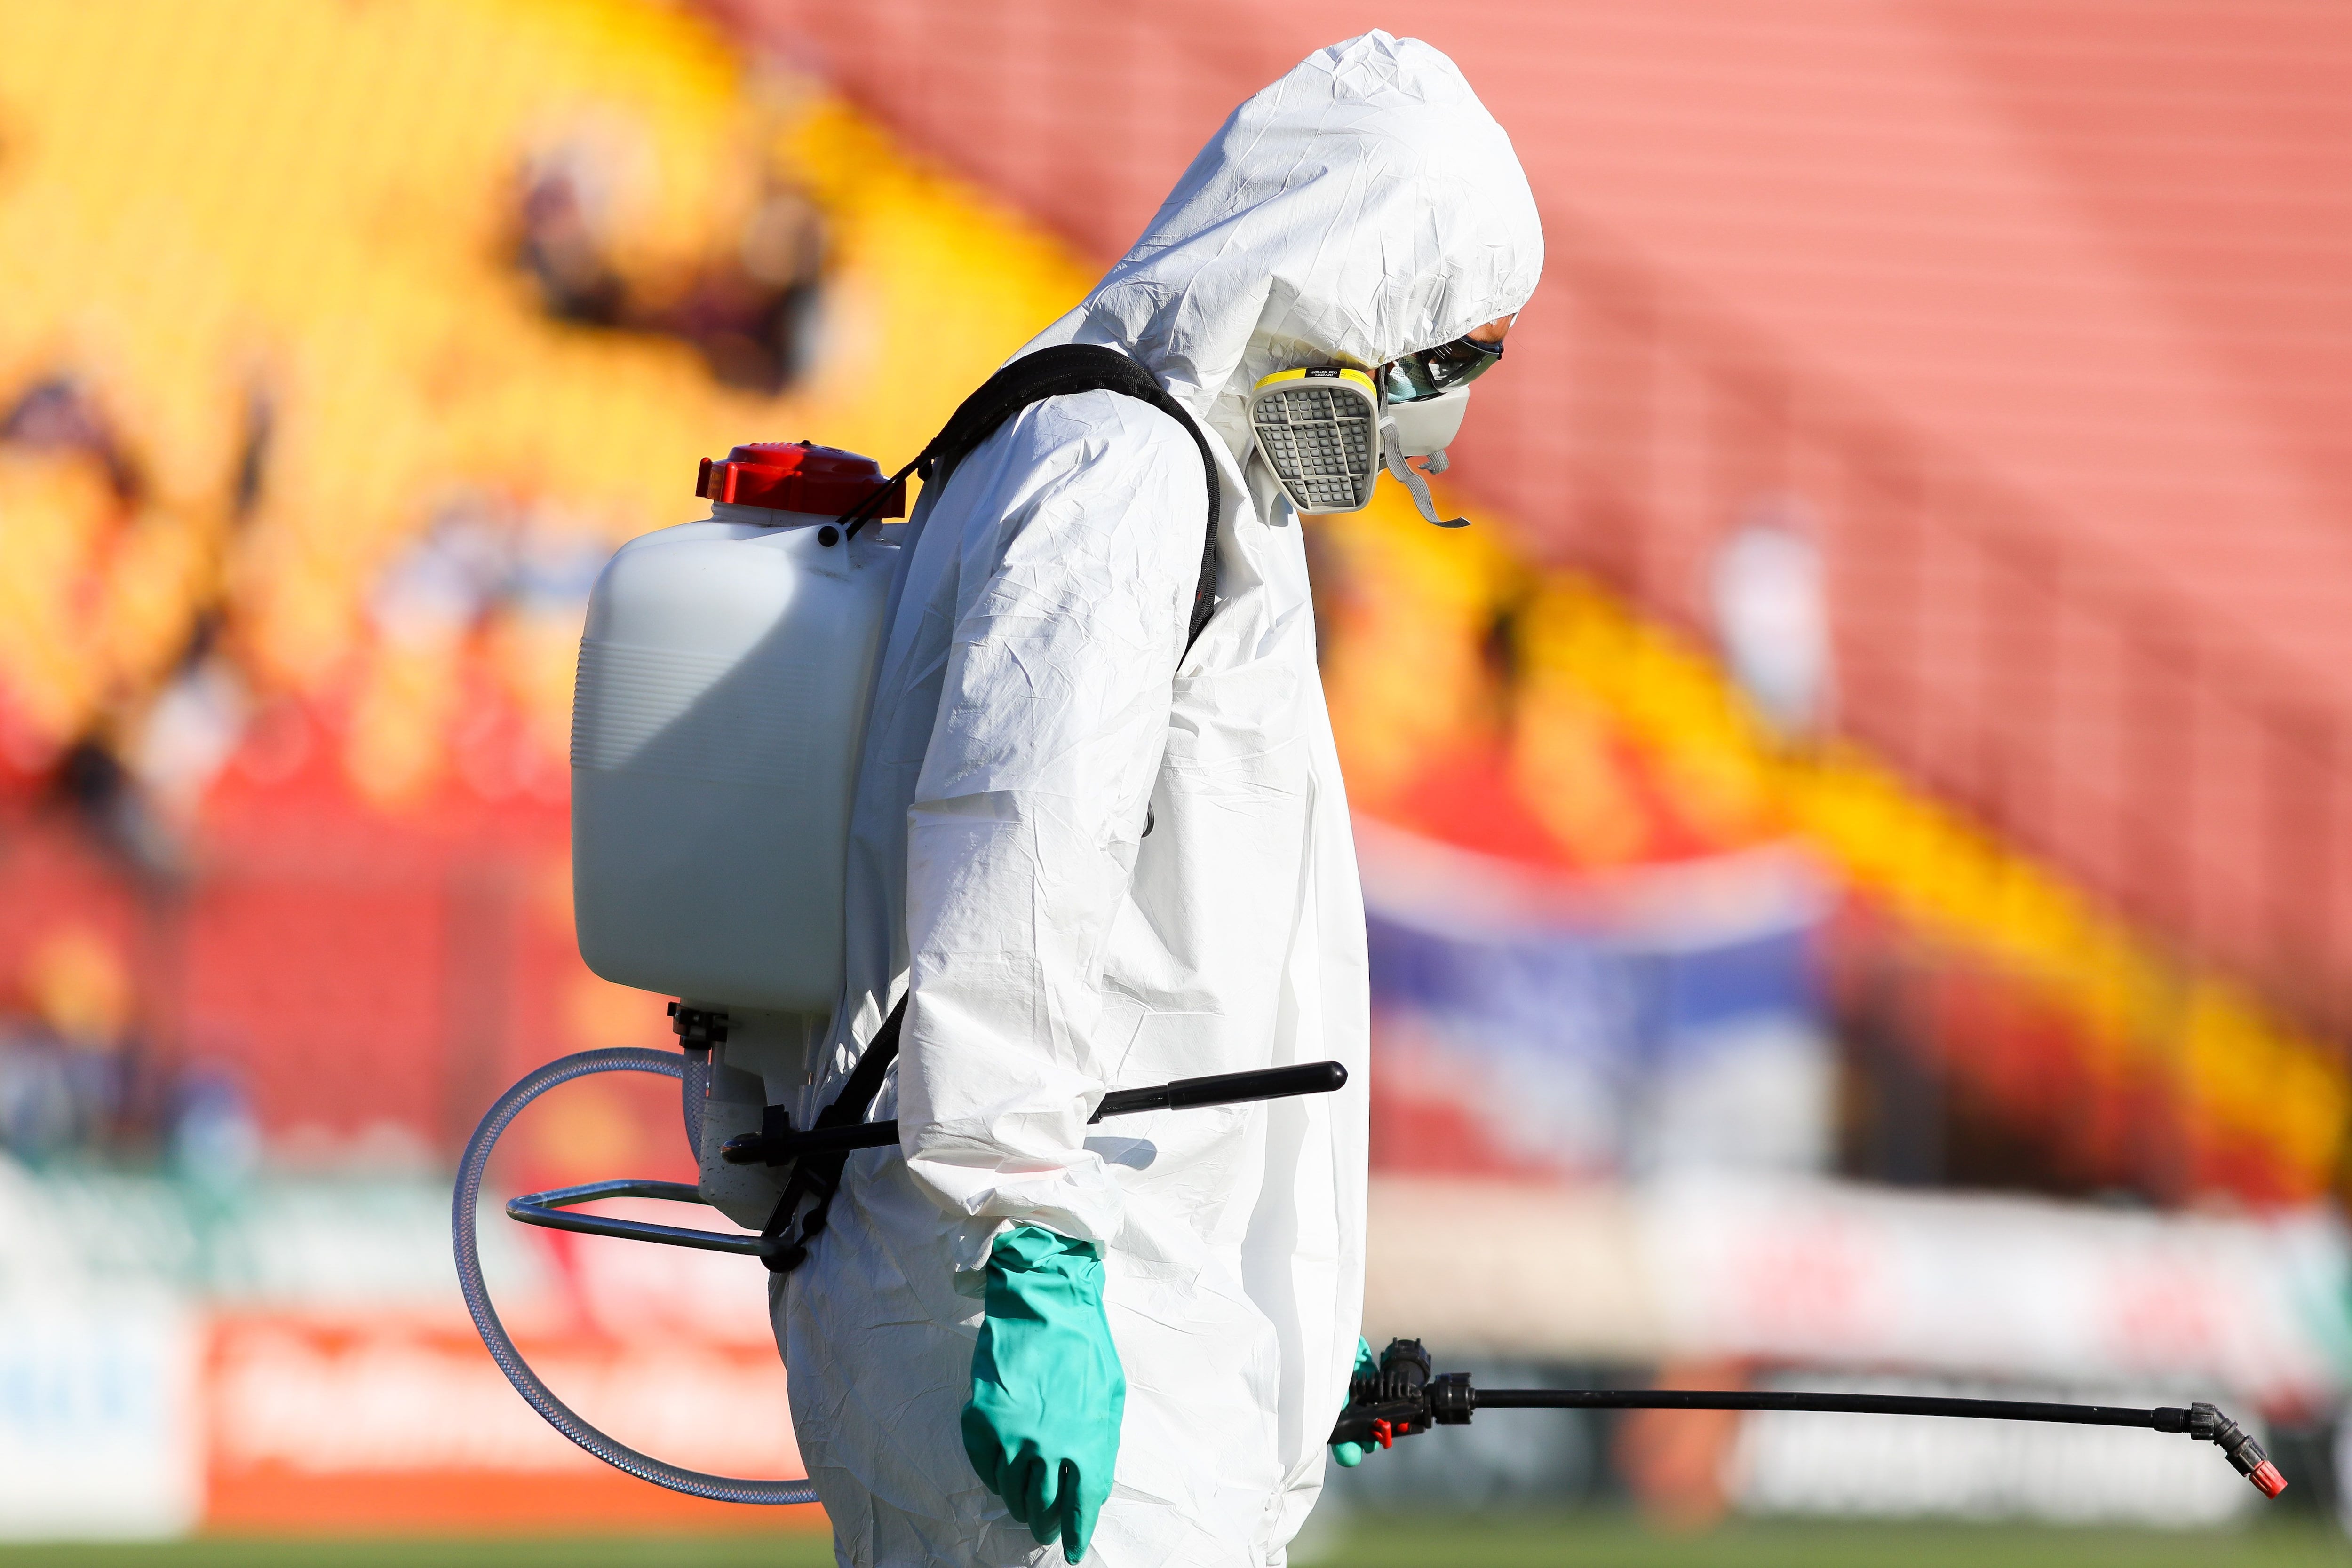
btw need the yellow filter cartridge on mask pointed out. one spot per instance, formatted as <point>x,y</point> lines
<point>1319,431</point>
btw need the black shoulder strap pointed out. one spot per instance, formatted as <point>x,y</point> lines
<point>1056,372</point>
<point>819,1176</point>
<point>856,1096</point>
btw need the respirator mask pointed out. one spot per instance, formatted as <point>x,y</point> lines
<point>1326,432</point>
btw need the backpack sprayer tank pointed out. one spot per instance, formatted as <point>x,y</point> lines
<point>715,735</point>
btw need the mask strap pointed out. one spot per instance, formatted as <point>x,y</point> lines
<point>1393,456</point>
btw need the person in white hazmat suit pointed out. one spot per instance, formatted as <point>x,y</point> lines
<point>1098,859</point>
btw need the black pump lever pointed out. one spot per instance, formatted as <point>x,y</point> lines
<point>766,1149</point>
<point>1182,1094</point>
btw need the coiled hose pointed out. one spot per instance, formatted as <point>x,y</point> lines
<point>464,1211</point>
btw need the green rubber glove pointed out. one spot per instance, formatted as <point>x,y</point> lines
<point>1047,1390</point>
<point>1351,1454</point>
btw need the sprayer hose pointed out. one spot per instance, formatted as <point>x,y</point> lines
<point>464,1214</point>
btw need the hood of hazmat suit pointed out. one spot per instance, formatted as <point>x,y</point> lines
<point>1099,860</point>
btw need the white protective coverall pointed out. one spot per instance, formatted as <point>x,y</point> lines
<point>1102,862</point>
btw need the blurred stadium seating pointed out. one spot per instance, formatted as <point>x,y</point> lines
<point>342,344</point>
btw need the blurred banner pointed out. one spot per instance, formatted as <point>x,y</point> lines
<point>101,1415</point>
<point>376,1424</point>
<point>1647,1021</point>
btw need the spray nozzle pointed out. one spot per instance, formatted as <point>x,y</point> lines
<point>2206,1424</point>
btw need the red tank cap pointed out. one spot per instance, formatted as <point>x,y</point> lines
<point>797,476</point>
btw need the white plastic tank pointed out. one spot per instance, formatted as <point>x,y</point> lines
<point>714,732</point>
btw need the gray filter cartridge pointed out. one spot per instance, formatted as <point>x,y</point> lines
<point>1319,431</point>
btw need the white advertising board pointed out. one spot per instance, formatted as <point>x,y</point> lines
<point>99,1426</point>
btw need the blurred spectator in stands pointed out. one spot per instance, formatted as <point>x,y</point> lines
<point>119,642</point>
<point>42,1111</point>
<point>442,586</point>
<point>1772,616</point>
<point>751,311</point>
<point>197,718</point>
<point>561,245</point>
<point>60,415</point>
<point>66,1073</point>
<point>477,623</point>
<point>190,731</point>
<point>216,1142</point>
<point>71,494</point>
<point>77,1078</point>
<point>755,315</point>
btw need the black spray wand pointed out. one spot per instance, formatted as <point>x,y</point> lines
<point>1403,1397</point>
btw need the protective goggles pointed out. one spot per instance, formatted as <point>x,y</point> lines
<point>1433,372</point>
